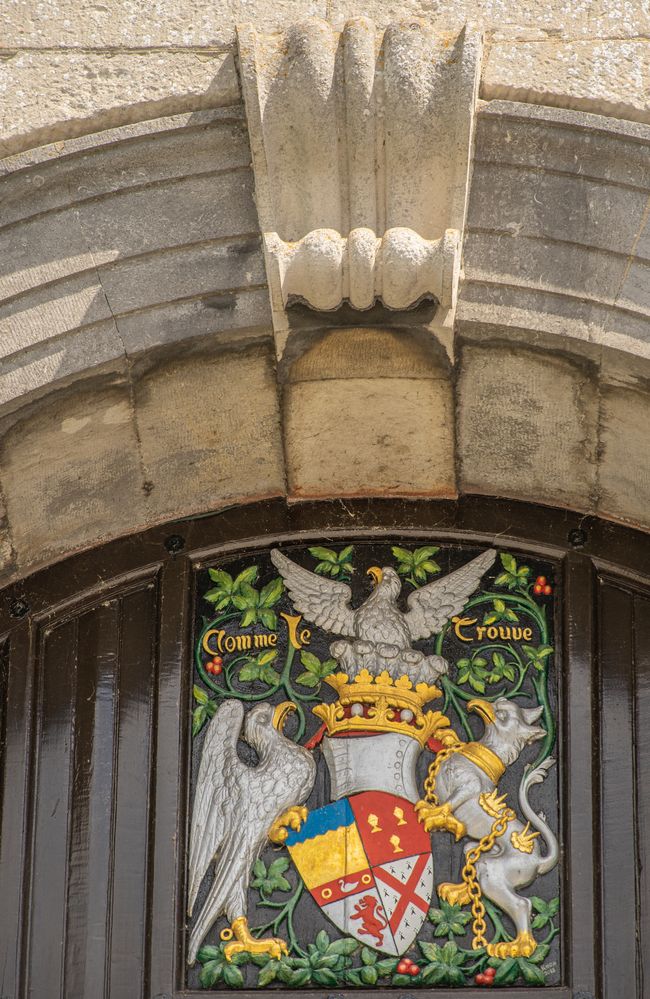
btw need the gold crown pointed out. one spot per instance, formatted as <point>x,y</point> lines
<point>380,704</point>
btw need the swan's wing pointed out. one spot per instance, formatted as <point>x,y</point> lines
<point>324,602</point>
<point>217,800</point>
<point>431,606</point>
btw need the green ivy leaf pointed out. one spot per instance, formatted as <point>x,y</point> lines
<point>300,977</point>
<point>416,565</point>
<point>540,953</point>
<point>200,695</point>
<point>199,719</point>
<point>369,975</point>
<point>272,592</point>
<point>343,947</point>
<point>232,976</point>
<point>508,562</point>
<point>268,974</point>
<point>324,554</point>
<point>209,953</point>
<point>322,941</point>
<point>449,920</point>
<point>268,881</point>
<point>308,680</point>
<point>309,660</point>
<point>507,972</point>
<point>210,974</point>
<point>386,967</point>
<point>531,974</point>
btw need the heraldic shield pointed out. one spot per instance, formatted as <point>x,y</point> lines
<point>367,862</point>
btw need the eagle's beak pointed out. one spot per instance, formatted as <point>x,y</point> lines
<point>376,574</point>
<point>482,708</point>
<point>281,713</point>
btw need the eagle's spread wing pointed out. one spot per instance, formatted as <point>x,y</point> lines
<point>324,602</point>
<point>430,607</point>
<point>215,786</point>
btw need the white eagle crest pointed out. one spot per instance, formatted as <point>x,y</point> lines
<point>236,808</point>
<point>381,634</point>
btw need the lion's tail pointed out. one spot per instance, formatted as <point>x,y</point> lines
<point>538,822</point>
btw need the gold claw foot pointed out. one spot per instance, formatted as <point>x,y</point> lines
<point>454,894</point>
<point>293,818</point>
<point>523,945</point>
<point>275,947</point>
<point>439,817</point>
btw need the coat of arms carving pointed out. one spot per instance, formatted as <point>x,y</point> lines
<point>374,793</point>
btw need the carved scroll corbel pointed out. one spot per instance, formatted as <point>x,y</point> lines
<point>361,142</point>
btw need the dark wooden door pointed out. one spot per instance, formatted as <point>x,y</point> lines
<point>95,678</point>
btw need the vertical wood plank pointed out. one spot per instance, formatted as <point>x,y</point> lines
<point>91,805</point>
<point>580,903</point>
<point>15,762</point>
<point>130,844</point>
<point>167,887</point>
<point>642,769</point>
<point>57,669</point>
<point>617,792</point>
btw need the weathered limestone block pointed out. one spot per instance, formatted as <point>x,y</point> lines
<point>571,143</point>
<point>609,77</point>
<point>209,429</point>
<point>49,95</point>
<point>228,316</point>
<point>369,412</point>
<point>45,313</point>
<point>79,354</point>
<point>73,24</point>
<point>71,473</point>
<point>142,281</point>
<point>624,473</point>
<point>544,263</point>
<point>543,204</point>
<point>61,173</point>
<point>527,425</point>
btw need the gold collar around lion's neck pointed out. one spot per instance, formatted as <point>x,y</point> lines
<point>485,760</point>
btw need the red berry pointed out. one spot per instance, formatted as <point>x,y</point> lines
<point>414,970</point>
<point>541,580</point>
<point>402,968</point>
<point>217,669</point>
<point>547,591</point>
<point>490,972</point>
<point>538,588</point>
<point>480,979</point>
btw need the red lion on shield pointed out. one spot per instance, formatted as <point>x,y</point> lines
<point>369,912</point>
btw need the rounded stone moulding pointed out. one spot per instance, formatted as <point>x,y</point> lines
<point>325,269</point>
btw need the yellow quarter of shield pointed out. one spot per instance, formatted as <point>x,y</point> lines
<point>331,855</point>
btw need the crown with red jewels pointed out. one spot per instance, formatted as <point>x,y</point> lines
<point>371,704</point>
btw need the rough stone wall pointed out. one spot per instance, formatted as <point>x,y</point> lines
<point>137,374</point>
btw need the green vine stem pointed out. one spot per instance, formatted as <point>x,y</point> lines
<point>285,915</point>
<point>227,688</point>
<point>455,695</point>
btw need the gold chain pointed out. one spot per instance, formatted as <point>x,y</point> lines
<point>434,767</point>
<point>468,873</point>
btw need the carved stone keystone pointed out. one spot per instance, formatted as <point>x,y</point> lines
<point>361,142</point>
